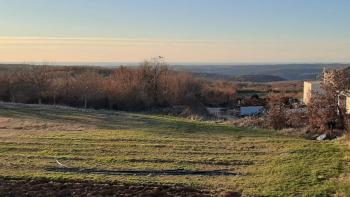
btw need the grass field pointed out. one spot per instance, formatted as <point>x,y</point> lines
<point>256,162</point>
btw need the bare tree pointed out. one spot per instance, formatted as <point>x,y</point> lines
<point>219,92</point>
<point>112,90</point>
<point>324,110</point>
<point>56,87</point>
<point>152,84</point>
<point>10,84</point>
<point>153,76</point>
<point>38,77</point>
<point>276,116</point>
<point>88,86</point>
<point>129,91</point>
<point>335,80</point>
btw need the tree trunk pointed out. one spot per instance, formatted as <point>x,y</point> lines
<point>110,104</point>
<point>13,100</point>
<point>342,115</point>
<point>85,102</point>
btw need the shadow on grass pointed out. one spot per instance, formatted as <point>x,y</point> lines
<point>110,120</point>
<point>101,119</point>
<point>179,172</point>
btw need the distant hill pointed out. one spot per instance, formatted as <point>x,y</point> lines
<point>244,73</point>
<point>240,78</point>
<point>284,71</point>
<point>77,69</point>
<point>257,78</point>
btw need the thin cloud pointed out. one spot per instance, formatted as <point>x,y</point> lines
<point>176,50</point>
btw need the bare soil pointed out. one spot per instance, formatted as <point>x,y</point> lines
<point>45,188</point>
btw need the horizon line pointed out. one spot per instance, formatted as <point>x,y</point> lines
<point>176,63</point>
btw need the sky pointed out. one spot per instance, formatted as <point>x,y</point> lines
<point>206,31</point>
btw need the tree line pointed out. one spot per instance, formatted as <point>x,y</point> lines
<point>152,84</point>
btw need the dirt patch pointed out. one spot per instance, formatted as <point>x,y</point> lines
<point>40,188</point>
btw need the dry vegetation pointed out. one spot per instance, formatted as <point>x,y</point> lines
<point>219,93</point>
<point>150,85</point>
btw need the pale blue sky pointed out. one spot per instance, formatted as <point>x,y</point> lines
<point>240,30</point>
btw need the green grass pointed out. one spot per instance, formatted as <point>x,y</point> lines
<point>269,164</point>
